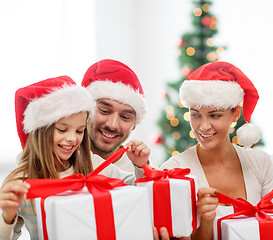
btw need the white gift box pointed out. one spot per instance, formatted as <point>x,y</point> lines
<point>246,228</point>
<point>181,204</point>
<point>70,215</point>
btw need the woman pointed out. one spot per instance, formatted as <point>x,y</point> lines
<point>213,93</point>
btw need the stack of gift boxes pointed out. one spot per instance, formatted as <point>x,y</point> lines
<point>93,207</point>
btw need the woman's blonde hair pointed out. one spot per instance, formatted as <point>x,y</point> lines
<point>37,160</point>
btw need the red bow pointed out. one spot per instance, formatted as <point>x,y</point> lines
<point>154,174</point>
<point>243,207</point>
<point>48,187</point>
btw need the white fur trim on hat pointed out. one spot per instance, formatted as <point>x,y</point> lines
<point>213,93</point>
<point>121,93</point>
<point>60,103</point>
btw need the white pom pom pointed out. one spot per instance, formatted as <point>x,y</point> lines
<point>248,134</point>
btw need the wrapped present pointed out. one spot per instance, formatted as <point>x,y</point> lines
<point>90,207</point>
<point>247,222</point>
<point>172,199</point>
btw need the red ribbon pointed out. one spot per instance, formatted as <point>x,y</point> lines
<point>161,194</point>
<point>110,160</point>
<point>97,185</point>
<point>246,209</point>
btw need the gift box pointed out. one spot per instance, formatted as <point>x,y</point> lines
<point>91,207</point>
<point>247,222</point>
<point>241,228</point>
<point>72,215</point>
<point>172,195</point>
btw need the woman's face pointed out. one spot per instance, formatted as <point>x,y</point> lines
<point>68,134</point>
<point>211,126</point>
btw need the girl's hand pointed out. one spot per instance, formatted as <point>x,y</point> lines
<point>11,196</point>
<point>138,153</point>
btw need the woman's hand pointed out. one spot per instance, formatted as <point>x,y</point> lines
<point>138,153</point>
<point>11,196</point>
<point>206,206</point>
<point>207,203</point>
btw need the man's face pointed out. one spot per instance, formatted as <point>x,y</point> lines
<point>110,126</point>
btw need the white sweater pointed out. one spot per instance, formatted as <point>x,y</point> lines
<point>256,166</point>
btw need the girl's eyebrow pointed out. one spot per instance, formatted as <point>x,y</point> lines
<point>65,124</point>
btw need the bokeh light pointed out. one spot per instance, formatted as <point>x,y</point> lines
<point>174,153</point>
<point>186,116</point>
<point>205,7</point>
<point>174,122</point>
<point>190,51</point>
<point>197,12</point>
<point>191,134</point>
<point>176,135</point>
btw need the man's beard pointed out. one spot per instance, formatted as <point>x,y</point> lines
<point>104,148</point>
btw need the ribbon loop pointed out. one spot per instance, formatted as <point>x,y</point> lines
<point>154,174</point>
<point>243,207</point>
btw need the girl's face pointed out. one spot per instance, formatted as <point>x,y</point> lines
<point>68,134</point>
<point>211,126</point>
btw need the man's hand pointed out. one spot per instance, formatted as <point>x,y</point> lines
<point>138,153</point>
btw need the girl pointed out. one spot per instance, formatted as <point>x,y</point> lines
<point>51,118</point>
<point>213,93</point>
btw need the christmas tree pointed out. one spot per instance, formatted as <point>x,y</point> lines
<point>195,49</point>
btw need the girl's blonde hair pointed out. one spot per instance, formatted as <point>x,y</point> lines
<point>37,160</point>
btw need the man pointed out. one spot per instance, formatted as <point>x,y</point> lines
<point>120,107</point>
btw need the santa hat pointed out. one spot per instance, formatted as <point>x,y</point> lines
<point>222,85</point>
<point>114,80</point>
<point>44,103</point>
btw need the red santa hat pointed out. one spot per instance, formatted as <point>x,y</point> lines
<point>114,80</point>
<point>222,85</point>
<point>44,103</point>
